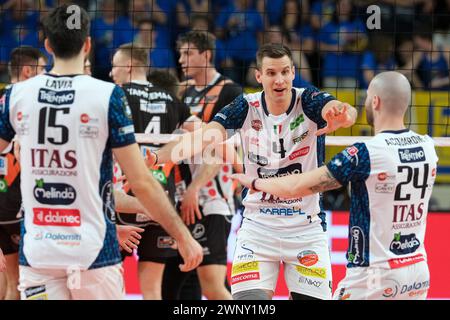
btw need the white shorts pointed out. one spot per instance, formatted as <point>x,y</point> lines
<point>97,284</point>
<point>410,282</point>
<point>306,259</point>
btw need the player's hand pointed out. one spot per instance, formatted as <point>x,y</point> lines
<point>191,252</point>
<point>189,206</point>
<point>2,262</point>
<point>150,158</point>
<point>128,237</point>
<point>336,119</point>
<point>243,179</point>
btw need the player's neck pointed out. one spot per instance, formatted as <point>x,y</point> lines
<point>68,66</point>
<point>278,107</point>
<point>389,125</point>
<point>138,77</point>
<point>205,77</point>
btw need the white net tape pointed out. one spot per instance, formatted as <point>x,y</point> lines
<point>329,140</point>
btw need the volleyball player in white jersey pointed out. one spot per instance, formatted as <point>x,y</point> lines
<point>68,124</point>
<point>392,177</point>
<point>281,131</point>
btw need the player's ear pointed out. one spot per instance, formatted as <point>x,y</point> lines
<point>48,47</point>
<point>87,46</point>
<point>27,72</point>
<point>376,102</point>
<point>258,75</point>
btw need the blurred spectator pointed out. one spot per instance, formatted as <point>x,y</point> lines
<point>160,58</point>
<point>297,26</point>
<point>341,44</point>
<point>429,67</point>
<point>271,11</point>
<point>302,71</point>
<point>322,13</point>
<point>380,57</point>
<point>240,27</point>
<point>109,30</point>
<point>19,21</point>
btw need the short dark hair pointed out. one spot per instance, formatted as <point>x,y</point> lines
<point>65,41</point>
<point>136,53</point>
<point>272,50</point>
<point>165,80</point>
<point>202,40</point>
<point>23,56</point>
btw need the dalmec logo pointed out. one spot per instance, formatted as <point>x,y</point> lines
<point>299,153</point>
<point>56,217</point>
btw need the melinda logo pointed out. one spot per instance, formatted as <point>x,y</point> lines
<point>55,97</point>
<point>56,217</point>
<point>54,193</point>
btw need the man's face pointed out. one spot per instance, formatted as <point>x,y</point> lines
<point>120,72</point>
<point>276,76</point>
<point>369,107</point>
<point>40,69</point>
<point>191,60</point>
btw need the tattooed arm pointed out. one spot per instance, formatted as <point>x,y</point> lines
<point>295,185</point>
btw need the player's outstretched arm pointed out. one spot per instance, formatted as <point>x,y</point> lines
<point>294,185</point>
<point>192,143</point>
<point>337,114</point>
<point>153,198</point>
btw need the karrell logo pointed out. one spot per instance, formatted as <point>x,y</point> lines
<point>411,155</point>
<point>54,193</point>
<point>356,249</point>
<point>404,244</point>
<point>56,217</point>
<point>56,97</point>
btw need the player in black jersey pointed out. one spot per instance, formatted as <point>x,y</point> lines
<point>154,111</point>
<point>208,200</point>
<point>25,62</point>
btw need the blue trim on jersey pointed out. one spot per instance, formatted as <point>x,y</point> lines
<point>313,101</point>
<point>22,259</point>
<point>121,128</point>
<point>353,165</point>
<point>291,105</point>
<point>6,130</point>
<point>396,131</point>
<point>320,161</point>
<point>233,115</point>
<point>110,253</point>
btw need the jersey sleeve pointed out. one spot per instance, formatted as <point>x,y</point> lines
<point>233,115</point>
<point>352,164</point>
<point>229,92</point>
<point>121,129</point>
<point>313,101</point>
<point>6,130</point>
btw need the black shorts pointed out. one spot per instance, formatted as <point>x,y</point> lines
<point>155,245</point>
<point>10,237</point>
<point>212,233</point>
